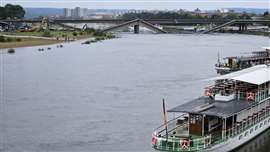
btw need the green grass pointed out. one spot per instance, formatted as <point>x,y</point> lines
<point>60,34</point>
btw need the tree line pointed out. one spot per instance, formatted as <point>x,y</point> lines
<point>185,15</point>
<point>10,11</point>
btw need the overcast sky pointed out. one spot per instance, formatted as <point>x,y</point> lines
<point>143,4</point>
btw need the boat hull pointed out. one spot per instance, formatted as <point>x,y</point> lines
<point>242,138</point>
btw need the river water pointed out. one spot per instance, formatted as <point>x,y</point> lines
<point>105,96</point>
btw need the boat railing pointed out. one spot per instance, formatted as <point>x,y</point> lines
<point>181,144</point>
<point>170,140</point>
<point>171,125</point>
<point>245,125</point>
<point>258,95</point>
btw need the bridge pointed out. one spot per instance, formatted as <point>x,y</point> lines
<point>152,21</point>
<point>149,23</point>
<point>241,23</point>
<point>136,24</point>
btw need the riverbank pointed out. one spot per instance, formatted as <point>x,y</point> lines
<point>25,42</point>
<point>24,39</point>
<point>46,37</point>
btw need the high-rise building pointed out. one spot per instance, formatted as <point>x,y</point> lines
<point>67,12</point>
<point>76,12</point>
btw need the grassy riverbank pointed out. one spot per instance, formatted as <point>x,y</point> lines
<point>52,34</point>
<point>27,42</point>
<point>23,39</point>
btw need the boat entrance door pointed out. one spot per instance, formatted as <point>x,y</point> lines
<point>195,124</point>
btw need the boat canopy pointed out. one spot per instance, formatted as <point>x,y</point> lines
<point>254,75</point>
<point>266,48</point>
<point>211,107</point>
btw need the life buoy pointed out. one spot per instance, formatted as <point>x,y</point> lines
<point>250,96</point>
<point>207,141</point>
<point>208,92</point>
<point>154,140</point>
<point>184,144</point>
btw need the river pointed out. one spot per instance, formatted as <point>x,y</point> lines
<point>105,96</point>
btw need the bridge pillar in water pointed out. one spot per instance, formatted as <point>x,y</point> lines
<point>136,29</point>
<point>242,27</point>
<point>245,27</point>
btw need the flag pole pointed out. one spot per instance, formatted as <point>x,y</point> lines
<point>165,118</point>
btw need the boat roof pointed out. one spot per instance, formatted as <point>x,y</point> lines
<point>208,106</point>
<point>266,48</point>
<point>257,75</point>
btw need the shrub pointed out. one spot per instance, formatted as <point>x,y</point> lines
<point>46,34</point>
<point>99,33</point>
<point>18,39</point>
<point>2,39</point>
<point>90,30</point>
<point>74,33</point>
<point>9,39</point>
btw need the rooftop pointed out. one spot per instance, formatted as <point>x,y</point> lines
<point>208,106</point>
<point>257,75</point>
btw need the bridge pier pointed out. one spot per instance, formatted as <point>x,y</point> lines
<point>136,29</point>
<point>242,27</point>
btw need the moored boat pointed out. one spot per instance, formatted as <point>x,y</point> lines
<point>232,111</point>
<point>235,63</point>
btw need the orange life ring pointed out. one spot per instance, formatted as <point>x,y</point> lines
<point>208,92</point>
<point>184,144</point>
<point>250,96</point>
<point>154,140</point>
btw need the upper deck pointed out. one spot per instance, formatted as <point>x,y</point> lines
<point>234,63</point>
<point>212,107</point>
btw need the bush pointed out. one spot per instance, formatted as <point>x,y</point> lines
<point>90,30</point>
<point>46,34</point>
<point>74,33</point>
<point>9,39</point>
<point>18,39</point>
<point>2,39</point>
<point>81,33</point>
<point>99,33</point>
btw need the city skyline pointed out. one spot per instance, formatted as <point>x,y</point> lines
<point>142,4</point>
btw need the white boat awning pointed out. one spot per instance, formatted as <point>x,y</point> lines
<point>266,48</point>
<point>255,75</point>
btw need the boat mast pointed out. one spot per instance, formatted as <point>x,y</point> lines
<point>165,118</point>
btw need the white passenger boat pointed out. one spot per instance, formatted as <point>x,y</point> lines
<point>235,63</point>
<point>232,112</point>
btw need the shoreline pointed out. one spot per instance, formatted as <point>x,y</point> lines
<point>28,43</point>
<point>36,41</point>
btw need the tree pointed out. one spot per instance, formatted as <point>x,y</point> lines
<point>2,13</point>
<point>13,11</point>
<point>266,13</point>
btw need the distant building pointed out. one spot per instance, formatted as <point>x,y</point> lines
<point>67,12</point>
<point>76,12</point>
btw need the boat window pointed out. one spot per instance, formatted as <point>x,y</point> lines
<point>256,127</point>
<point>261,125</point>
<point>246,133</point>
<point>240,137</point>
<point>251,130</point>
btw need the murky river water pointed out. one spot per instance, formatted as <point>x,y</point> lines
<point>105,96</point>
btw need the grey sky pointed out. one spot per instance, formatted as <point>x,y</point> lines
<point>143,4</point>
